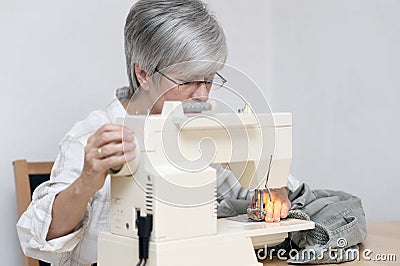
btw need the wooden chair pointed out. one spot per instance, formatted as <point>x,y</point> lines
<point>28,175</point>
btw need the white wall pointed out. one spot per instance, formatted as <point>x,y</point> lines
<point>332,64</point>
<point>335,64</point>
<point>58,61</point>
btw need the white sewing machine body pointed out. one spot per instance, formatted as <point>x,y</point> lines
<point>171,179</point>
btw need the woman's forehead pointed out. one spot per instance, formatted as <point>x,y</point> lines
<point>194,71</point>
<point>193,76</point>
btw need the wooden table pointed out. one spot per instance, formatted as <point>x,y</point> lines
<point>383,239</point>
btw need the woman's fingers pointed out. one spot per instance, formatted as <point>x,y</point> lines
<point>285,209</point>
<point>110,133</point>
<point>277,211</point>
<point>269,207</point>
<point>118,160</point>
<point>279,207</point>
<point>116,149</point>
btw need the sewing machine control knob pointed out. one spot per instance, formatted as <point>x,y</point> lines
<point>133,165</point>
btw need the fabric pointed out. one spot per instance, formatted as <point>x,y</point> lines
<point>340,225</point>
<point>80,247</point>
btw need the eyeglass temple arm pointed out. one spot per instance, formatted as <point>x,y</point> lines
<point>221,77</point>
<point>165,76</point>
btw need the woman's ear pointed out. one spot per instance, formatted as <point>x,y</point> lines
<point>141,76</point>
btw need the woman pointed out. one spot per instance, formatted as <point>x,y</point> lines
<point>66,214</point>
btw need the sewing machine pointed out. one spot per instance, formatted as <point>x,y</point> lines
<point>171,182</point>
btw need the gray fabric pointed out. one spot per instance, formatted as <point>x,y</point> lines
<point>232,207</point>
<point>339,225</point>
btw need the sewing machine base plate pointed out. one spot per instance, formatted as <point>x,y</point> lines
<point>233,245</point>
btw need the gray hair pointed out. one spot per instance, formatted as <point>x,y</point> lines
<point>162,33</point>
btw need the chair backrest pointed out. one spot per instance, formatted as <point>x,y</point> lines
<point>28,175</point>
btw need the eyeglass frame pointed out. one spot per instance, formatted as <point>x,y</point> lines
<point>178,84</point>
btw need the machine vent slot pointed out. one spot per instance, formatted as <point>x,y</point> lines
<point>149,197</point>
<point>215,201</point>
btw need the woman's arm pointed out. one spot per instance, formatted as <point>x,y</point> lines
<point>109,147</point>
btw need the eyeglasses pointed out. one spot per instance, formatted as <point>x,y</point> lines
<point>189,87</point>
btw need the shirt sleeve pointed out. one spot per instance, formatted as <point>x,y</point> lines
<point>293,183</point>
<point>229,186</point>
<point>34,223</point>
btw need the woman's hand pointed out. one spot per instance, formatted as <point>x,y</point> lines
<point>109,147</point>
<point>279,207</point>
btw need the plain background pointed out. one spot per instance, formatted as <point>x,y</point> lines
<point>334,64</point>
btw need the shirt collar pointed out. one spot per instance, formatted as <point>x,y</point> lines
<point>115,109</point>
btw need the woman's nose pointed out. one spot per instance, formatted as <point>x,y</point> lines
<point>201,93</point>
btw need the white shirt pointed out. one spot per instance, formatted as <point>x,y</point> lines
<point>80,246</point>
